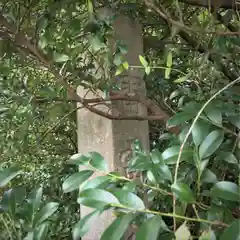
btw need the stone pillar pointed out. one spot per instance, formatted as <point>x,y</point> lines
<point>112,137</point>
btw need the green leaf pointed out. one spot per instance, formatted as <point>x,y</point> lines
<point>170,155</point>
<point>78,159</point>
<point>60,57</point>
<point>45,212</point>
<point>125,65</point>
<point>183,233</point>
<point>181,79</point>
<point>96,198</point>
<point>11,198</point>
<point>183,192</point>
<point>35,199</point>
<point>227,157</point>
<point>226,190</point>
<point>235,120</point>
<point>232,232</point>
<point>82,227</point>
<point>214,114</point>
<point>97,43</point>
<point>129,199</point>
<point>90,7</point>
<point>96,182</point>
<point>97,161</point>
<point>211,143</point>
<point>75,180</point>
<point>143,61</point>
<point>7,174</point>
<point>208,176</point>
<point>208,235</point>
<point>120,69</point>
<point>169,65</point>
<point>141,162</point>
<point>117,229</point>
<point>160,165</point>
<point>147,70</point>
<point>41,232</point>
<point>151,228</point>
<point>179,118</point>
<point>200,131</point>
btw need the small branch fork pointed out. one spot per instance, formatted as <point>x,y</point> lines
<point>23,44</point>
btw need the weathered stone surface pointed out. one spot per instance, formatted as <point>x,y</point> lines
<point>112,138</point>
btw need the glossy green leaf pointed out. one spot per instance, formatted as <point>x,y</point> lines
<point>96,182</point>
<point>129,199</point>
<point>170,155</point>
<point>97,161</point>
<point>60,57</point>
<point>96,198</point>
<point>183,192</point>
<point>75,180</point>
<point>143,61</point>
<point>200,131</point>
<point>179,118</point>
<point>7,174</point>
<point>214,114</point>
<point>82,227</point>
<point>117,229</point>
<point>226,190</point>
<point>41,232</point>
<point>232,232</point>
<point>48,210</point>
<point>211,143</point>
<point>150,229</point>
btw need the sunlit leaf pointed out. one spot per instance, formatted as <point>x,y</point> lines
<point>143,61</point>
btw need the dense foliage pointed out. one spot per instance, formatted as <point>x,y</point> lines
<point>189,181</point>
